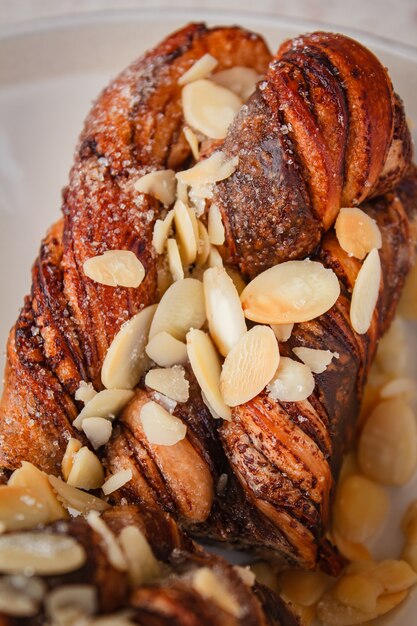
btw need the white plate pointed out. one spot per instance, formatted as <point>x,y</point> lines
<point>49,74</point>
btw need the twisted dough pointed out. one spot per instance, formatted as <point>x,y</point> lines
<point>172,599</point>
<point>265,479</point>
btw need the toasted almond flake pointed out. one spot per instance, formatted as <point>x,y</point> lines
<point>282,331</point>
<point>214,258</point>
<point>115,268</point>
<point>199,194</point>
<point>316,360</point>
<point>360,508</point>
<point>143,567</point>
<point>209,108</point>
<point>208,585</point>
<point>203,244</point>
<point>351,550</point>
<point>174,260</point>
<point>160,427</point>
<point>67,604</point>
<point>241,80</point>
<point>358,591</point>
<point>126,360</point>
<point>293,381</point>
<point>238,281</point>
<point>72,448</point>
<point>294,291</point>
<point>192,142</point>
<point>182,192</point>
<point>73,498</point>
<point>114,552</point>
<point>394,575</point>
<point>246,574</point>
<point>200,69</point>
<point>166,350</point>
<point>206,366</point>
<point>85,392</point>
<point>20,509</point>
<point>170,381</point>
<point>15,601</point>
<point>407,306</point>
<point>181,308</point>
<point>216,231</point>
<point>37,482</point>
<point>249,366</point>
<point>387,449</point>
<point>161,232</point>
<point>107,403</point>
<point>391,356</point>
<point>398,387</point>
<point>185,233</point>
<point>356,232</point>
<point>365,293</point>
<point>116,481</point>
<point>224,311</point>
<point>98,431</point>
<point>333,612</point>
<point>87,471</point>
<point>159,184</point>
<point>303,587</point>
<point>215,168</point>
<point>44,553</point>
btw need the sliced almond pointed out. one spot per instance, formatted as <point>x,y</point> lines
<point>293,381</point>
<point>126,360</point>
<point>200,69</point>
<point>241,80</point>
<point>391,356</point>
<point>85,392</point>
<point>37,482</point>
<point>208,585</point>
<point>282,331</point>
<point>67,604</point>
<point>166,350</point>
<point>107,403</point>
<point>249,366</point>
<point>98,431</point>
<point>206,366</point>
<point>170,381</point>
<point>215,168</point>
<point>387,450</point>
<point>42,553</point>
<point>114,552</point>
<point>116,481</point>
<point>294,291</point>
<point>161,232</point>
<point>303,587</point>
<point>238,281</point>
<point>365,293</point>
<point>356,232</point>
<point>192,142</point>
<point>245,574</point>
<point>216,230</point>
<point>20,509</point>
<point>14,599</point>
<point>316,360</point>
<point>185,233</point>
<point>394,575</point>
<point>159,184</point>
<point>203,244</point>
<point>199,193</point>
<point>224,311</point>
<point>87,471</point>
<point>407,305</point>
<point>181,308</point>
<point>72,448</point>
<point>214,258</point>
<point>160,427</point>
<point>174,260</point>
<point>351,550</point>
<point>115,268</point>
<point>361,508</point>
<point>75,499</point>
<point>398,387</point>
<point>358,591</point>
<point>209,108</point>
<point>143,567</point>
<point>332,612</point>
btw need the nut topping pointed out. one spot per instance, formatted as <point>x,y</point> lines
<point>160,427</point>
<point>115,268</point>
<point>365,293</point>
<point>209,108</point>
<point>159,184</point>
